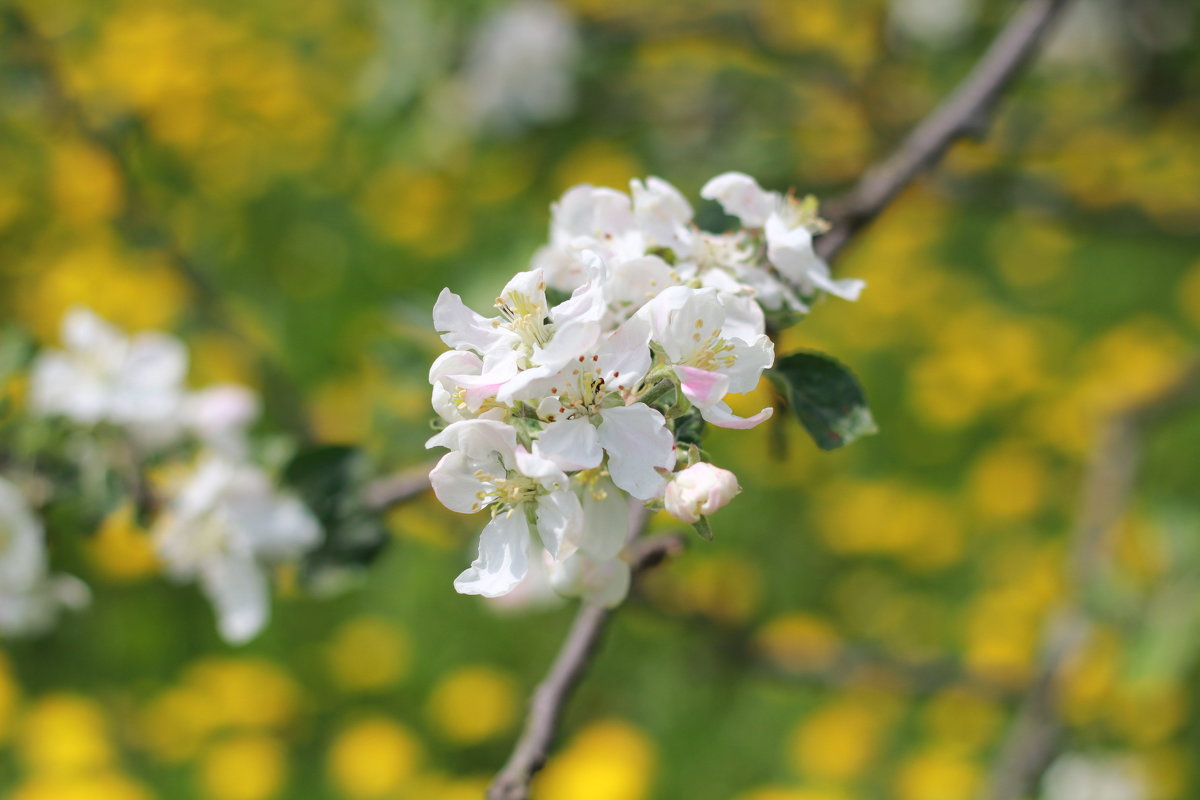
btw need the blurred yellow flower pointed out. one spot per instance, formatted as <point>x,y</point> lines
<point>176,723</point>
<point>101,786</point>
<point>246,766</point>
<point>793,794</point>
<point>838,741</point>
<point>1031,252</point>
<point>607,760</point>
<point>84,183</point>
<point>1009,481</point>
<point>922,528</point>
<point>245,692</point>
<point>599,163</point>
<point>416,208</point>
<point>367,653</point>
<point>133,290</point>
<point>962,719</point>
<point>122,549</point>
<point>64,735</point>
<point>442,787</point>
<point>373,758</point>
<point>798,642</point>
<point>725,587</point>
<point>473,704</point>
<point>10,697</point>
<point>940,774</point>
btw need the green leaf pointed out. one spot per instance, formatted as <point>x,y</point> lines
<point>826,398</point>
<point>704,529</point>
<point>329,478</point>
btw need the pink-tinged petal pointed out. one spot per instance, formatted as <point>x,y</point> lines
<point>503,557</point>
<point>722,416</point>
<point>637,442</point>
<point>571,443</point>
<point>701,386</point>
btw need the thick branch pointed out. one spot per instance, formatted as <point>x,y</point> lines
<point>551,695</point>
<point>1037,731</point>
<point>965,112</point>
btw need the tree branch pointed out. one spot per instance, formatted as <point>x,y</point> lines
<point>574,656</point>
<point>1035,736</point>
<point>966,112</point>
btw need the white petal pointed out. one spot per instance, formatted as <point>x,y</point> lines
<point>637,440</point>
<point>624,357</point>
<point>599,582</point>
<point>606,512</point>
<point>741,197</point>
<point>460,326</point>
<point>749,362</point>
<point>478,438</point>
<point>503,557</point>
<point>571,443</point>
<point>238,591</point>
<point>455,483</point>
<point>560,522</point>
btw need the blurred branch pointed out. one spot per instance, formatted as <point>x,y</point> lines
<point>574,656</point>
<point>1035,737</point>
<point>387,492</point>
<point>966,112</point>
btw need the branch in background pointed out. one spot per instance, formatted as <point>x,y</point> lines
<point>966,112</point>
<point>1036,734</point>
<point>387,492</point>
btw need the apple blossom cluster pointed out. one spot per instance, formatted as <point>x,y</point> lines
<point>560,416</point>
<point>218,518</point>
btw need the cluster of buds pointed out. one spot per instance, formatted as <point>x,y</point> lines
<point>560,416</point>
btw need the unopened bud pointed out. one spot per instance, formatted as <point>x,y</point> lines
<point>699,491</point>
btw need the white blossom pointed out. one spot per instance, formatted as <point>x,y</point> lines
<point>103,376</point>
<point>30,597</point>
<point>708,352</point>
<point>226,523</point>
<point>520,66</point>
<point>698,491</point>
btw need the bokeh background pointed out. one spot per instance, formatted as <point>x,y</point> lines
<point>287,186</point>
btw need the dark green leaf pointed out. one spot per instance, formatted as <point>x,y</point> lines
<point>329,479</point>
<point>826,398</point>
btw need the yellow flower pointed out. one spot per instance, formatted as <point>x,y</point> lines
<point>374,757</point>
<point>84,183</point>
<point>608,760</point>
<point>1009,481</point>
<point>962,718</point>
<point>102,786</point>
<point>367,653</point>
<point>10,697</point>
<point>473,704</point>
<point>176,723</point>
<point>248,766</point>
<point>599,163</point>
<point>122,549</point>
<point>245,692</point>
<point>838,741</point>
<point>799,642</point>
<point>937,775</point>
<point>64,735</point>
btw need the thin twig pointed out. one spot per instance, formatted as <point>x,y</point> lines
<point>966,112</point>
<point>389,491</point>
<point>1035,736</point>
<point>574,656</point>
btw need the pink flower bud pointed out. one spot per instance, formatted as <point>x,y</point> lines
<point>700,490</point>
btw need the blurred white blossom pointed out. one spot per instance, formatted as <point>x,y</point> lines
<point>30,597</point>
<point>225,524</point>
<point>1075,776</point>
<point>520,66</point>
